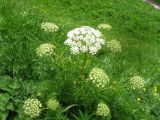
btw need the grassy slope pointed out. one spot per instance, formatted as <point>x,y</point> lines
<point>135,25</point>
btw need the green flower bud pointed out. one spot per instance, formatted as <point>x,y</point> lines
<point>114,46</point>
<point>98,77</point>
<point>137,82</point>
<point>49,27</point>
<point>53,104</point>
<point>104,26</point>
<point>102,110</point>
<point>45,49</point>
<point>32,107</point>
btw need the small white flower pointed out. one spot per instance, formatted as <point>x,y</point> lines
<point>68,42</point>
<point>83,31</point>
<point>81,37</point>
<point>101,41</point>
<point>77,38</point>
<point>70,34</point>
<point>98,33</point>
<point>74,50</point>
<point>77,32</point>
<point>79,44</point>
<point>98,46</point>
<point>92,39</point>
<point>84,39</point>
<point>84,49</point>
<point>92,50</point>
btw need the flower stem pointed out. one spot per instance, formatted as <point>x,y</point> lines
<point>83,66</point>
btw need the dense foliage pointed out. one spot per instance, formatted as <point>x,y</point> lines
<point>40,79</point>
<point>158,1</point>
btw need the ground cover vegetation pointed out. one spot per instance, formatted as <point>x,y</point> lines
<point>79,60</point>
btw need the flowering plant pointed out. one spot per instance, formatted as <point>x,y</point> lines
<point>84,39</point>
<point>45,49</point>
<point>32,107</point>
<point>102,110</point>
<point>49,27</point>
<point>105,26</point>
<point>114,46</point>
<point>98,77</point>
<point>137,82</point>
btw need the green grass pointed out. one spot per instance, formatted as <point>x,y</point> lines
<point>135,24</point>
<point>158,1</point>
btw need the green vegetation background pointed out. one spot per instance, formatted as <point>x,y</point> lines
<point>158,1</point>
<point>135,24</point>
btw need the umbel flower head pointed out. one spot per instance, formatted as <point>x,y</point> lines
<point>137,82</point>
<point>45,49</point>
<point>53,104</point>
<point>98,78</point>
<point>49,27</point>
<point>105,26</point>
<point>102,110</point>
<point>32,107</point>
<point>84,39</point>
<point>114,46</point>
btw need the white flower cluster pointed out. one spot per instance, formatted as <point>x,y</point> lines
<point>84,39</point>
<point>102,110</point>
<point>114,46</point>
<point>137,82</point>
<point>105,26</point>
<point>32,107</point>
<point>98,78</point>
<point>53,104</point>
<point>49,27</point>
<point>45,49</point>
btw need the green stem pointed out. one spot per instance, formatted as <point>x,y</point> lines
<point>83,66</point>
